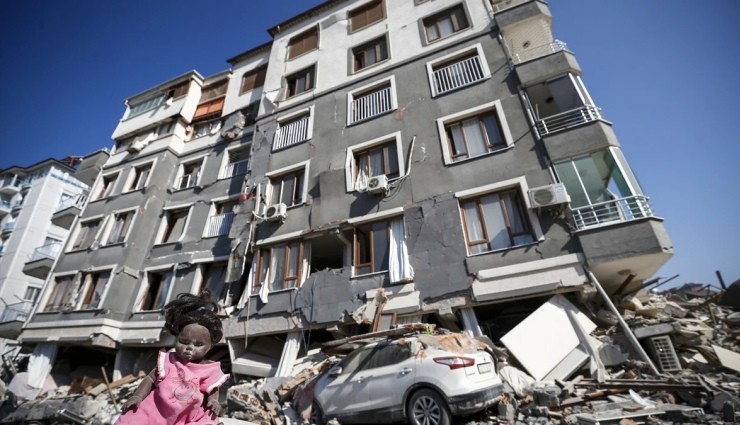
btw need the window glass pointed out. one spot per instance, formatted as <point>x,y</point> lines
<point>445,23</point>
<point>387,355</point>
<point>496,221</point>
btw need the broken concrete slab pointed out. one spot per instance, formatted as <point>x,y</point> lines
<point>656,330</point>
<point>727,358</point>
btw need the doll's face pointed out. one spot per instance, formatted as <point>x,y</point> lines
<point>193,343</point>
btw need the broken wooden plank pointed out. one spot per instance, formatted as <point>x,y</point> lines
<point>123,381</point>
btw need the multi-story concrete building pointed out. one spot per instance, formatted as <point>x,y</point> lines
<point>29,240</point>
<point>378,162</point>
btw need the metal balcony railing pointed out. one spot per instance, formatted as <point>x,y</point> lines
<point>51,251</point>
<point>610,212</point>
<point>291,133</point>
<point>235,169</point>
<point>458,74</point>
<point>538,52</point>
<point>568,119</point>
<point>506,4</point>
<point>186,181</point>
<point>4,205</point>
<point>10,182</point>
<point>370,105</point>
<point>75,201</point>
<point>219,224</point>
<point>16,311</point>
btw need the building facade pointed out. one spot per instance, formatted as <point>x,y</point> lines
<point>375,163</point>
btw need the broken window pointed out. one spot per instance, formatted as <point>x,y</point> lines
<point>303,43</point>
<point>253,79</point>
<point>370,53</point>
<point>445,23</point>
<point>496,221</point>
<point>327,251</point>
<point>280,266</point>
<point>156,289</point>
<point>106,186</point>
<point>213,276</point>
<point>189,174</point>
<point>121,225</point>
<point>174,225</point>
<point>86,234</point>
<point>61,294</point>
<point>140,177</point>
<point>365,15</point>
<point>93,288</point>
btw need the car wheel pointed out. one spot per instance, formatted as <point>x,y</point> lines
<point>317,418</point>
<point>426,407</point>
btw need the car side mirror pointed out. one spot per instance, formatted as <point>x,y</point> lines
<point>335,371</point>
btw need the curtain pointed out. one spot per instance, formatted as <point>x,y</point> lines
<point>99,288</point>
<point>115,233</point>
<point>362,176</point>
<point>40,363</point>
<point>399,268</point>
<point>306,269</point>
<point>250,284</point>
<point>498,234</point>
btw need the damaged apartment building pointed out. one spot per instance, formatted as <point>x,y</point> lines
<point>376,163</point>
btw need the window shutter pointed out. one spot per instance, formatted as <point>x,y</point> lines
<point>209,109</point>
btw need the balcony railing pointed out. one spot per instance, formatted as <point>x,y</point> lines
<point>13,184</point>
<point>505,4</point>
<point>219,224</point>
<point>50,251</point>
<point>16,311</point>
<point>8,227</point>
<point>458,74</point>
<point>538,52</point>
<point>610,212</point>
<point>371,104</point>
<point>75,201</point>
<point>568,119</point>
<point>4,205</point>
<point>235,169</point>
<point>186,181</point>
<point>291,133</point>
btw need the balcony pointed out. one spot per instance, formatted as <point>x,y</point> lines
<point>568,119</point>
<point>371,105</point>
<point>235,169</point>
<point>7,228</point>
<point>12,318</point>
<point>42,259</point>
<point>610,212</point>
<point>26,184</point>
<point>500,6</point>
<point>10,185</point>
<point>291,133</point>
<point>17,207</point>
<point>219,225</point>
<point>67,210</point>
<point>538,51</point>
<point>459,74</point>
<point>4,208</point>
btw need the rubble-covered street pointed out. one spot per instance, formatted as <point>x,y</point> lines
<point>590,373</point>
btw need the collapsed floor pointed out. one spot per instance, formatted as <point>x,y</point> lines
<point>679,362</point>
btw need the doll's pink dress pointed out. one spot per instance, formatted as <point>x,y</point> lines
<point>178,395</point>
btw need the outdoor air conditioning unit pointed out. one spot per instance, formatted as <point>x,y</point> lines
<point>545,196</point>
<point>136,146</point>
<point>377,185</point>
<point>276,212</point>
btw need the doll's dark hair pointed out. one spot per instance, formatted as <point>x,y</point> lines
<point>188,308</point>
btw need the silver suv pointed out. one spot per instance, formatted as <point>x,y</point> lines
<point>423,379</point>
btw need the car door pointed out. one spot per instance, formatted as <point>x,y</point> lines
<point>391,370</point>
<point>344,394</point>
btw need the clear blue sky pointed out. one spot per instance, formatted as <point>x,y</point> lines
<point>664,72</point>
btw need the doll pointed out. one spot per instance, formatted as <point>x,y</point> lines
<point>183,388</point>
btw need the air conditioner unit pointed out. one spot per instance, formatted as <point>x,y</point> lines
<point>276,212</point>
<point>136,146</point>
<point>377,185</point>
<point>545,196</point>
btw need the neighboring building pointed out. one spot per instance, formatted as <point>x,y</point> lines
<point>377,163</point>
<point>30,240</point>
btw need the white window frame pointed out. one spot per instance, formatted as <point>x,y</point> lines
<point>350,165</point>
<point>50,288</point>
<point>515,183</point>
<point>442,121</point>
<point>110,222</point>
<point>181,172</point>
<point>78,228</point>
<point>164,223</point>
<point>132,175</point>
<point>363,90</point>
<point>145,285</point>
<point>225,160</point>
<point>291,116</point>
<point>478,48</point>
<point>212,212</point>
<point>305,165</point>
<point>84,285</point>
<point>101,184</point>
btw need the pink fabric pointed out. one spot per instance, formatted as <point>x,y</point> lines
<point>180,394</point>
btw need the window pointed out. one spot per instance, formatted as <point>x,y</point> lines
<point>213,277</point>
<point>370,53</point>
<point>300,82</point>
<point>496,220</point>
<point>369,102</point>
<point>156,289</point>
<point>293,129</point>
<point>279,267</point>
<point>173,226</point>
<point>189,174</point>
<point>461,70</point>
<point>204,128</point>
<point>474,132</point>
<point>303,43</point>
<point>288,188</point>
<point>32,294</point>
<point>140,177</point>
<point>61,294</point>
<point>371,247</point>
<point>86,234</point>
<point>107,184</point>
<point>141,107</point>
<point>179,90</point>
<point>445,23</point>
<point>365,15</point>
<point>375,160</point>
<point>93,287</point>
<point>119,229</point>
<point>219,223</point>
<point>237,161</point>
<point>253,79</point>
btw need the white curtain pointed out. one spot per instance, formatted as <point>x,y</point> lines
<point>399,268</point>
<point>250,284</point>
<point>361,180</point>
<point>306,269</point>
<point>40,363</point>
